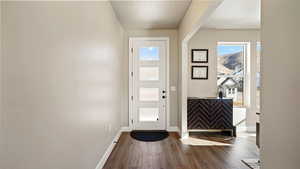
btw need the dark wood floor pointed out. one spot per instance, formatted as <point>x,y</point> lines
<point>171,153</point>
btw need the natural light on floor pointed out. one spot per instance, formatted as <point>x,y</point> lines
<point>202,142</point>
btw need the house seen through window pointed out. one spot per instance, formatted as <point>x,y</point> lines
<point>231,71</point>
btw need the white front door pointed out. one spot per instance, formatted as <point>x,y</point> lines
<point>149,84</point>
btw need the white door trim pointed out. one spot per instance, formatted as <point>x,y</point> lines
<point>131,78</point>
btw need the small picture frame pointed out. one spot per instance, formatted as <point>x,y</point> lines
<point>200,72</point>
<point>199,55</point>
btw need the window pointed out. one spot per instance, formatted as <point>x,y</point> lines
<point>231,71</point>
<point>149,54</point>
<point>149,94</point>
<point>149,73</point>
<point>148,114</point>
<point>258,77</point>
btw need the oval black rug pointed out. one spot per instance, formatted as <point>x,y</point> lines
<point>149,135</point>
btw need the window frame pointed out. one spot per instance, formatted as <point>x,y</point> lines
<point>247,47</point>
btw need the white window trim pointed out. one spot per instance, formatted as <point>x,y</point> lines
<point>247,72</point>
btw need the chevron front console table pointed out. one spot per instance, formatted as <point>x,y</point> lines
<point>210,114</point>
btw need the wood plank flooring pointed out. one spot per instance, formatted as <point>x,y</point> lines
<point>171,153</point>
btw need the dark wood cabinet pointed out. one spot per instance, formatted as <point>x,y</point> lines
<point>210,113</point>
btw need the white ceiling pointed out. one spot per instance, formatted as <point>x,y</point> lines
<point>145,14</point>
<point>236,14</point>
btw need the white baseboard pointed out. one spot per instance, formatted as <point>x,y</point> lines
<point>173,129</point>
<point>108,151</point>
<point>169,129</point>
<point>126,129</point>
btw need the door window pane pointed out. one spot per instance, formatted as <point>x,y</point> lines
<point>149,54</point>
<point>149,94</point>
<point>149,73</point>
<point>148,114</point>
<point>231,74</point>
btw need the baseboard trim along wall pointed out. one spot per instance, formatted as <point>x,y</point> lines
<point>169,129</point>
<point>107,153</point>
<point>126,129</point>
<point>173,129</point>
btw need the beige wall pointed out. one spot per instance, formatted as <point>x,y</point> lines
<point>280,84</point>
<point>173,35</point>
<point>62,83</point>
<point>1,113</point>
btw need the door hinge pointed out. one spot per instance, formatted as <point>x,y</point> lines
<point>131,97</point>
<point>131,74</point>
<point>131,121</point>
<point>131,50</point>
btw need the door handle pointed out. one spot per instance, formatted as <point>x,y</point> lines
<point>163,96</point>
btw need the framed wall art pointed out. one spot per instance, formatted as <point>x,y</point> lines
<point>199,55</point>
<point>200,72</point>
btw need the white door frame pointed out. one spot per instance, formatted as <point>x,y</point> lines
<point>131,78</point>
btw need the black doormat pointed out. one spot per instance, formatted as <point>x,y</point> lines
<point>149,135</point>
